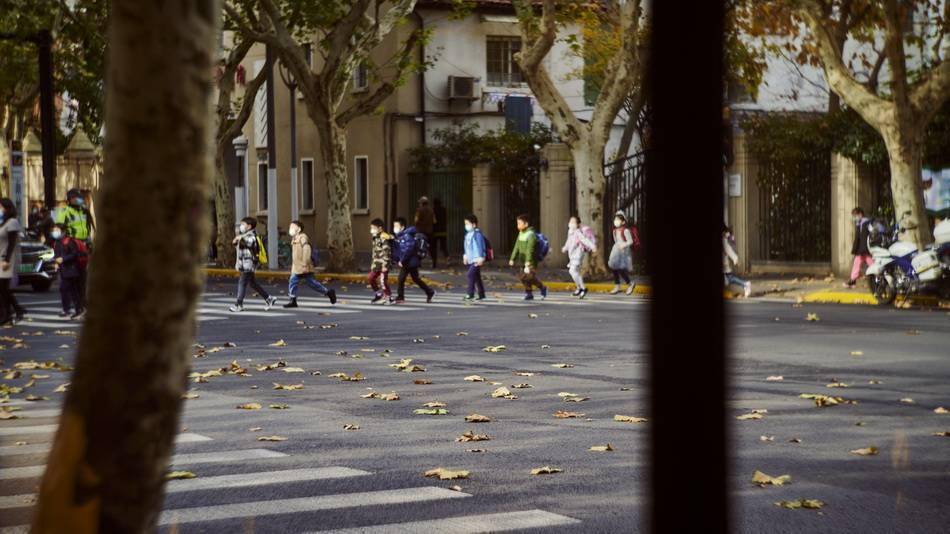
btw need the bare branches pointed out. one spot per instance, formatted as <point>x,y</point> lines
<point>622,71</point>
<point>246,27</point>
<point>236,124</point>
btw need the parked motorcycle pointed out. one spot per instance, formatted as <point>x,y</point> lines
<point>899,268</point>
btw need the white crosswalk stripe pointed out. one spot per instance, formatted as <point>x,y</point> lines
<point>470,524</point>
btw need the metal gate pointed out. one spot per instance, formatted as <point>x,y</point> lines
<point>795,209</point>
<point>520,193</point>
<point>454,188</point>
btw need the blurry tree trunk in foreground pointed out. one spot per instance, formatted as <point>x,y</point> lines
<point>106,470</point>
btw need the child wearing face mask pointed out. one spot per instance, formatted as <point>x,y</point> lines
<point>382,257</point>
<point>476,251</point>
<point>303,266</point>
<point>620,260</point>
<point>579,242</point>
<point>247,263</point>
<point>66,255</point>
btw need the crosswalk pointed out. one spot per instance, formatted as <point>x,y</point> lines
<point>259,470</point>
<point>214,307</point>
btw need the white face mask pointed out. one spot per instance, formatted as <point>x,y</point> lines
<point>373,231</point>
<point>572,225</point>
<point>397,229</point>
<point>243,228</point>
<point>469,227</point>
<point>293,231</point>
<point>56,234</point>
<point>618,223</point>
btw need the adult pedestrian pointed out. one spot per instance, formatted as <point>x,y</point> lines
<point>859,248</point>
<point>10,228</point>
<point>79,224</point>
<point>525,254</point>
<point>440,232</point>
<point>69,262</point>
<point>620,260</point>
<point>406,255</point>
<point>580,241</point>
<point>249,258</point>
<point>475,255</point>
<point>424,221</point>
<point>303,265</point>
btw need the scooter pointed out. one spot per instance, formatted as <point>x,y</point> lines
<point>900,269</point>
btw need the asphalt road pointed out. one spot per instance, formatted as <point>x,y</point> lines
<point>326,478</point>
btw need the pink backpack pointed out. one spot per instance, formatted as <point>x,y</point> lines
<point>589,235</point>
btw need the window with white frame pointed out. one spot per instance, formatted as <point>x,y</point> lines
<point>360,78</point>
<point>500,60</point>
<point>306,183</point>
<point>261,185</point>
<point>361,179</point>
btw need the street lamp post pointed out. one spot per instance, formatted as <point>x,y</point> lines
<point>272,199</point>
<point>291,84</point>
<point>240,191</point>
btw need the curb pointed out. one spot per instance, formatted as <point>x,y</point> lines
<point>843,297</point>
<point>358,278</point>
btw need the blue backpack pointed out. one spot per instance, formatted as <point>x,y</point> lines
<point>542,247</point>
<point>314,255</point>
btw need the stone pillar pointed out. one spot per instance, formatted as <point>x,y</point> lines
<point>742,201</point>
<point>486,204</point>
<point>851,186</point>
<point>556,199</point>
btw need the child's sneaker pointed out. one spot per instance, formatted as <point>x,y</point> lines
<point>376,298</point>
<point>577,292</point>
<point>236,308</point>
<point>748,289</point>
<point>429,296</point>
<point>544,292</point>
<point>583,293</point>
<point>80,313</point>
<point>615,290</point>
<point>65,313</point>
<point>482,297</point>
<point>291,304</point>
<point>269,302</point>
<point>630,288</point>
<point>332,295</point>
<point>469,298</point>
<point>528,296</point>
<point>397,301</point>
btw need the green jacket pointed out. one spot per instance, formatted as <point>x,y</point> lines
<point>78,221</point>
<point>525,247</point>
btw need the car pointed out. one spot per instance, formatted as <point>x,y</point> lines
<point>37,267</point>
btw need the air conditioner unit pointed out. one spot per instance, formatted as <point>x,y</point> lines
<point>463,88</point>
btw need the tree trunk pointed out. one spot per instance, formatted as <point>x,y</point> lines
<point>339,222</point>
<point>224,210</point>
<point>106,469</point>
<point>589,173</point>
<point>904,153</point>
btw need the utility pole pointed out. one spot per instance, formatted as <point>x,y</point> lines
<point>291,84</point>
<point>272,199</point>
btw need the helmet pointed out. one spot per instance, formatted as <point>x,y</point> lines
<point>73,193</point>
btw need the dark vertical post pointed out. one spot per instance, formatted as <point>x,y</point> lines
<point>684,248</point>
<point>272,200</point>
<point>44,43</point>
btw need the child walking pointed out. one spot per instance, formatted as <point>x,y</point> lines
<point>524,253</point>
<point>729,257</point>
<point>302,266</point>
<point>476,252</point>
<point>407,257</point>
<point>67,255</point>
<point>580,241</point>
<point>620,260</point>
<point>382,257</point>
<point>248,260</point>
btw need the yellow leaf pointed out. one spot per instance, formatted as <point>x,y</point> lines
<point>272,366</point>
<point>278,406</point>
<point>601,448</point>
<point>189,396</point>
<point>836,385</point>
<point>472,436</point>
<point>476,418</point>
<point>522,386</point>
<point>944,434</point>
<point>445,474</point>
<point>179,475</point>
<point>351,427</point>
<point>867,451</point>
<point>474,378</point>
<point>812,317</point>
<point>422,382</point>
<point>941,410</point>
<point>561,414</point>
<point>61,388</point>
<point>524,373</point>
<point>857,353</point>
<point>501,392</point>
<point>249,406</point>
<point>763,480</point>
<point>546,470</point>
<point>495,348</point>
<point>749,416</point>
<point>629,419</point>
<point>774,378</point>
<point>4,415</point>
<point>813,504</point>
<point>288,387</point>
<point>434,404</point>
<point>907,400</point>
<point>271,438</point>
<point>293,370</point>
<point>254,429</point>
<point>766,438</point>
<point>279,343</point>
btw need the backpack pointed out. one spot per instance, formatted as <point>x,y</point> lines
<point>314,256</point>
<point>635,234</point>
<point>489,252</point>
<point>588,234</point>
<point>542,247</point>
<point>422,245</point>
<point>82,253</point>
<point>261,251</point>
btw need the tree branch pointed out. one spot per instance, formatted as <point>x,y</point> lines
<point>246,28</point>
<point>234,126</point>
<point>622,70</point>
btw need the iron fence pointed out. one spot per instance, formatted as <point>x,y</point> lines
<point>520,193</point>
<point>453,187</point>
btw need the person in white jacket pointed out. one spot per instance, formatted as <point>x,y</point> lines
<point>729,257</point>
<point>578,244</point>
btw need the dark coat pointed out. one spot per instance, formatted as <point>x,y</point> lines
<point>860,245</point>
<point>405,248</point>
<point>70,254</point>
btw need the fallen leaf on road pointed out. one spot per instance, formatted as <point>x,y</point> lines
<point>477,450</point>
<point>857,353</point>
<point>434,404</point>
<point>561,414</point>
<point>749,416</point>
<point>907,400</point>
<point>913,332</point>
<point>445,474</point>
<point>5,415</point>
<point>278,406</point>
<point>941,410</point>
<point>430,411</point>
<point>34,398</point>
<point>944,434</point>
<point>249,406</point>
<point>271,438</point>
<point>455,488</point>
<point>763,480</point>
<point>187,396</point>
<point>562,365</point>
<point>476,418</point>
<point>254,429</point>
<point>391,396</point>
<point>601,448</point>
<point>874,382</point>
<point>422,382</point>
<point>522,386</point>
<point>351,427</point>
<point>766,438</point>
<point>813,504</point>
<point>532,316</point>
<point>12,375</point>
<point>867,451</point>
<point>357,376</point>
<point>288,387</point>
<point>774,378</point>
<point>495,348</point>
<point>327,326</point>
<point>179,475</point>
<point>359,338</point>
<point>461,333</point>
<point>524,373</point>
<point>545,347</point>
<point>836,385</point>
<point>279,343</point>
<point>405,366</point>
<point>473,378</point>
<point>629,419</point>
<point>825,400</point>
<point>812,317</point>
<point>272,366</point>
<point>470,435</point>
<point>501,392</point>
<point>795,440</point>
<point>546,470</point>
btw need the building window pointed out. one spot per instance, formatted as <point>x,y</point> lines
<point>360,78</point>
<point>361,178</point>
<point>306,183</point>
<point>262,186</point>
<point>500,61</point>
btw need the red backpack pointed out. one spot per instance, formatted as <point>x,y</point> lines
<point>82,251</point>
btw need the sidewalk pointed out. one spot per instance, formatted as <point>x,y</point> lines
<point>805,288</point>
